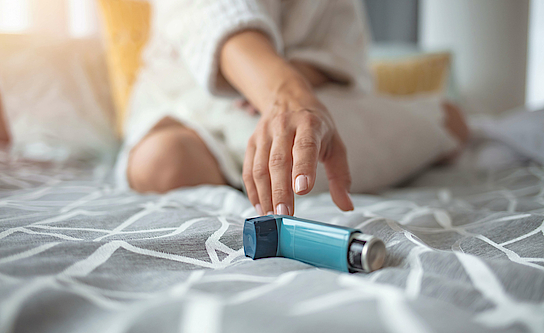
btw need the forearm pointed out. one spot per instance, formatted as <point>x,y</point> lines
<point>250,63</point>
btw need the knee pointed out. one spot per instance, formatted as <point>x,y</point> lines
<point>166,160</point>
<point>156,163</point>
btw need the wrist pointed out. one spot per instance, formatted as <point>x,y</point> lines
<point>292,90</point>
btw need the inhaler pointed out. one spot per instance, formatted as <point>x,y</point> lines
<point>319,244</point>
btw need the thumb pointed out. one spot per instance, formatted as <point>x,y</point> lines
<point>336,166</point>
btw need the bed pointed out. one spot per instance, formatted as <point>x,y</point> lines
<point>465,242</point>
<point>465,254</point>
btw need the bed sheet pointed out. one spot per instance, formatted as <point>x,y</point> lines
<point>465,254</point>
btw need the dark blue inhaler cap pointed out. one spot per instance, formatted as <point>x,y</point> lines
<point>260,237</point>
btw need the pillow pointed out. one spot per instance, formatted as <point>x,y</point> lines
<point>56,98</point>
<point>127,27</point>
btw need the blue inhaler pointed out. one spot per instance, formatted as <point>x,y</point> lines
<point>319,244</point>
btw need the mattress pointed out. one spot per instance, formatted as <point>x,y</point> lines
<point>465,254</point>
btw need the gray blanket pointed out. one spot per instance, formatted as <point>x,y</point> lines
<point>465,254</point>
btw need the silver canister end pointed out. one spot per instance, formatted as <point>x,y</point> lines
<point>366,253</point>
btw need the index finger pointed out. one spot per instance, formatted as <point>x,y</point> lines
<point>305,158</point>
<point>280,163</point>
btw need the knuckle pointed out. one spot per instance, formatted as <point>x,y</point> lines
<point>344,178</point>
<point>262,139</point>
<point>260,170</point>
<point>247,176</point>
<point>254,138</point>
<point>277,160</point>
<point>347,182</point>
<point>341,179</point>
<point>304,167</point>
<point>281,121</point>
<point>313,121</point>
<point>347,179</point>
<point>279,193</point>
<point>308,143</point>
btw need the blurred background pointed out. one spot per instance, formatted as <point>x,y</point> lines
<point>485,55</point>
<point>497,45</point>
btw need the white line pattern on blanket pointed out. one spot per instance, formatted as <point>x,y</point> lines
<point>108,261</point>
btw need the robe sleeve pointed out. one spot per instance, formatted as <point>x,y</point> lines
<point>199,28</point>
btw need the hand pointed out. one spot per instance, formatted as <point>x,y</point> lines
<point>309,72</point>
<point>283,152</point>
<point>295,130</point>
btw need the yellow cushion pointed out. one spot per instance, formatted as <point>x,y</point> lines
<point>127,28</point>
<point>419,74</point>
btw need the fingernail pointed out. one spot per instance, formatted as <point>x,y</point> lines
<point>301,183</point>
<point>270,213</point>
<point>259,209</point>
<point>282,209</point>
<point>351,201</point>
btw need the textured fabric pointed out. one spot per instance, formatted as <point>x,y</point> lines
<point>329,34</point>
<point>198,29</point>
<point>465,254</point>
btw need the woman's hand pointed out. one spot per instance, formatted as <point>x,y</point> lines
<point>312,75</point>
<point>282,154</point>
<point>294,133</point>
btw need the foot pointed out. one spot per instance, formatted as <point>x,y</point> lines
<point>456,125</point>
<point>455,122</point>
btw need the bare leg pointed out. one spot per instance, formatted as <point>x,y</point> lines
<point>171,156</point>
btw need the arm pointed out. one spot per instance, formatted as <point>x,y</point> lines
<point>295,130</point>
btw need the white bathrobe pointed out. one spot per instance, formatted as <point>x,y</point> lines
<point>387,139</point>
